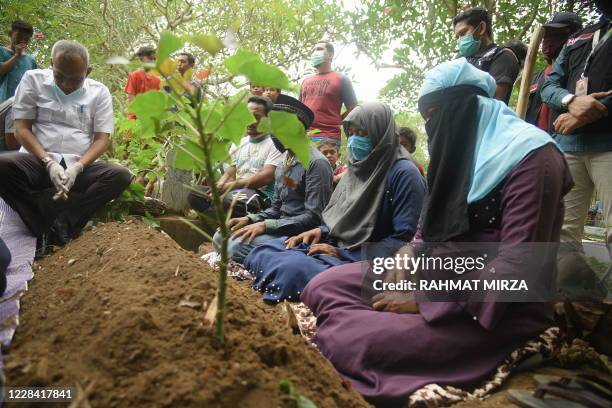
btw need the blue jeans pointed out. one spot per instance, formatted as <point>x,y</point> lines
<point>237,250</point>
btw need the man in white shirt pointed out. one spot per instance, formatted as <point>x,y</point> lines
<point>251,174</point>
<point>63,121</point>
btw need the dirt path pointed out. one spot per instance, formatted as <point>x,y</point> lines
<point>121,308</point>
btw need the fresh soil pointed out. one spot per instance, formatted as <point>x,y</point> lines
<point>120,311</point>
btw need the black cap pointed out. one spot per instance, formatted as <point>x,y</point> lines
<point>565,19</point>
<point>286,103</point>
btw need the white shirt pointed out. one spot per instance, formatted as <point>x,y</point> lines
<point>63,124</point>
<point>250,157</point>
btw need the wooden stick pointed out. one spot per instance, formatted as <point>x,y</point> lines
<point>532,53</point>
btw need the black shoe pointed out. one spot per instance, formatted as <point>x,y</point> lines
<point>59,234</point>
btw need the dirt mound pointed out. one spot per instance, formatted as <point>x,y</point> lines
<point>121,309</point>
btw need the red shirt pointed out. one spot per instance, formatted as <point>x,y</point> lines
<point>139,82</point>
<point>545,110</point>
<point>324,94</point>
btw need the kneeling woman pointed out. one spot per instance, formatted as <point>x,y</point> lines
<point>378,201</point>
<point>492,178</point>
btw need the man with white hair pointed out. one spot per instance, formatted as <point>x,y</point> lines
<point>63,121</point>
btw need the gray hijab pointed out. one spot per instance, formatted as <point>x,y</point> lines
<point>353,208</point>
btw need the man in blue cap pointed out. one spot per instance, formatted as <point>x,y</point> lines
<point>556,33</point>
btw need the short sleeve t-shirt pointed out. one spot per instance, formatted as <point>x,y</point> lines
<point>139,82</point>
<point>251,156</point>
<point>9,81</point>
<point>325,94</point>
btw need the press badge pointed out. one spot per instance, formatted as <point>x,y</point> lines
<point>582,87</point>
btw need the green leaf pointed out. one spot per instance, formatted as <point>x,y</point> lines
<point>303,402</point>
<point>264,126</point>
<point>237,117</point>
<point>290,131</point>
<point>220,151</point>
<point>150,108</point>
<point>249,64</point>
<point>168,43</point>
<point>286,386</point>
<point>210,43</point>
<point>236,63</point>
<point>186,161</point>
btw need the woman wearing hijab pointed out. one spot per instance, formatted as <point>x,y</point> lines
<point>377,202</point>
<point>492,178</point>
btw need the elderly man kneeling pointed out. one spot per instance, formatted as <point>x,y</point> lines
<point>63,122</point>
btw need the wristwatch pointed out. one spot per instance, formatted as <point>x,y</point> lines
<point>567,99</point>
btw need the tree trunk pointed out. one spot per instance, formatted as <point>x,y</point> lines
<point>174,190</point>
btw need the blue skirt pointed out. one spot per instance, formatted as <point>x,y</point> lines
<point>281,274</point>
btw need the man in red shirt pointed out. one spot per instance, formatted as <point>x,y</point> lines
<point>140,81</point>
<point>325,92</point>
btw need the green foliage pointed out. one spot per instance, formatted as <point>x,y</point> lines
<point>258,72</point>
<point>168,44</point>
<point>290,131</point>
<point>119,208</point>
<point>150,108</point>
<point>201,131</point>
<point>301,401</point>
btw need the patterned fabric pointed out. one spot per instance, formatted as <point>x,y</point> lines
<point>22,246</point>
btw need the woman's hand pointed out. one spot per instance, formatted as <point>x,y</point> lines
<point>323,249</point>
<point>312,236</point>
<point>394,303</point>
<point>397,301</point>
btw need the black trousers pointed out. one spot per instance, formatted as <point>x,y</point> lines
<point>23,177</point>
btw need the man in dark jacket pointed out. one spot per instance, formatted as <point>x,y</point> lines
<point>556,33</point>
<point>579,90</point>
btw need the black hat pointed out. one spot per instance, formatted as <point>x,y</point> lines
<point>565,19</point>
<point>286,103</point>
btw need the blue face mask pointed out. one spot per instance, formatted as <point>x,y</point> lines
<point>359,146</point>
<point>317,58</point>
<point>66,98</point>
<point>468,45</point>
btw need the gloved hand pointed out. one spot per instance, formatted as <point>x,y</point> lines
<point>57,175</point>
<point>71,174</point>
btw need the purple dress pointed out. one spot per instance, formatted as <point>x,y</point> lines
<point>388,356</point>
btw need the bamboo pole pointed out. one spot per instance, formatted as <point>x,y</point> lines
<point>532,53</point>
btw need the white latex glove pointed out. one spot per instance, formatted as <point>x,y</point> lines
<point>58,176</point>
<point>71,174</point>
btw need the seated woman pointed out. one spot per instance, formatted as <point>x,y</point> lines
<point>378,201</point>
<point>492,178</point>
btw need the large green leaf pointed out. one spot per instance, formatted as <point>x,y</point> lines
<point>249,64</point>
<point>290,131</point>
<point>237,117</point>
<point>168,43</point>
<point>210,43</point>
<point>150,108</point>
<point>220,151</point>
<point>187,161</point>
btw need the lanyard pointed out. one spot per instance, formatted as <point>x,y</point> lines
<point>596,46</point>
